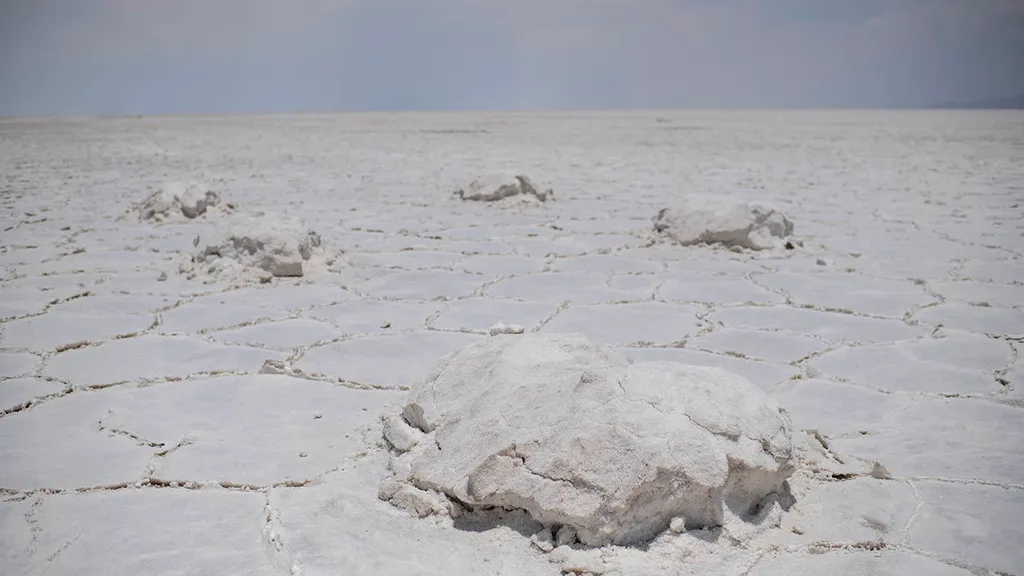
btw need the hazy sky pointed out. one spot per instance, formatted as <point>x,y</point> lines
<point>72,57</point>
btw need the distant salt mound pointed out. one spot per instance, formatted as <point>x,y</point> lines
<point>180,200</point>
<point>258,249</point>
<point>592,447</point>
<point>503,187</point>
<point>732,223</point>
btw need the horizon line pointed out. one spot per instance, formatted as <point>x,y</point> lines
<point>503,111</point>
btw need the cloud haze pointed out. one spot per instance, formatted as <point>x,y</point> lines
<point>70,57</point>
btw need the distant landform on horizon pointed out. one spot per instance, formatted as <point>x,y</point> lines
<point>1008,103</point>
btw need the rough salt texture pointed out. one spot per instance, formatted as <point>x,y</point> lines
<point>187,200</point>
<point>714,220</point>
<point>263,247</point>
<point>128,448</point>
<point>499,186</point>
<point>576,435</point>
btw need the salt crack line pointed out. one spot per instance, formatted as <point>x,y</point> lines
<point>968,482</point>
<point>954,562</point>
<point>905,539</point>
<point>112,432</point>
<point>138,383</point>
<point>273,543</point>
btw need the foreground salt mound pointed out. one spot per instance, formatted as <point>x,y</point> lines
<point>590,445</point>
<point>497,187</point>
<point>733,223</point>
<point>188,200</point>
<point>258,249</point>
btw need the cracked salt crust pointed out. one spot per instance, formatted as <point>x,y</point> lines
<point>649,322</point>
<point>764,374</point>
<point>903,348</point>
<point>481,314</point>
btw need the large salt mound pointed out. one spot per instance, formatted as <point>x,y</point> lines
<point>585,441</point>
<point>497,187</point>
<point>713,220</point>
<point>257,249</point>
<point>179,200</point>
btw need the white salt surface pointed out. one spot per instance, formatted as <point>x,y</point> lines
<point>153,424</point>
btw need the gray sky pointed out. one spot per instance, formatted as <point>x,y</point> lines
<point>84,57</point>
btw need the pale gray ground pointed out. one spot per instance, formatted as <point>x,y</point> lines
<point>138,436</point>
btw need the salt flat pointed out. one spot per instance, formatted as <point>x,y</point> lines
<point>156,424</point>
